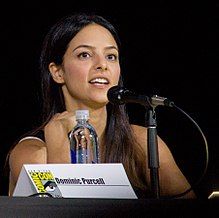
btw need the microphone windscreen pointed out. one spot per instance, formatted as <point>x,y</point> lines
<point>114,95</point>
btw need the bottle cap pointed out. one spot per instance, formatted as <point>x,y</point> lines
<point>82,114</point>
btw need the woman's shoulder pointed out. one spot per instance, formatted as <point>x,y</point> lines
<point>36,138</point>
<point>140,134</point>
<point>30,149</point>
<point>31,139</point>
<point>137,129</point>
<point>29,146</point>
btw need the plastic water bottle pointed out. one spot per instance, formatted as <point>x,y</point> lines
<point>84,140</point>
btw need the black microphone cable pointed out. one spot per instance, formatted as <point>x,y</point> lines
<point>206,160</point>
<point>121,95</point>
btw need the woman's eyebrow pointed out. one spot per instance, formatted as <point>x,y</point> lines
<point>92,47</point>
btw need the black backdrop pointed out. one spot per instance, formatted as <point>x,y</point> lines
<point>169,49</point>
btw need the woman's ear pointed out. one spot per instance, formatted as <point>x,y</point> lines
<point>56,73</point>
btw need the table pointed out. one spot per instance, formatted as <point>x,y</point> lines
<point>69,207</point>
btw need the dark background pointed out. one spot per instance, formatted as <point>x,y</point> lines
<point>168,48</point>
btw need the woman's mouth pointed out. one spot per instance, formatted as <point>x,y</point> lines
<point>99,80</point>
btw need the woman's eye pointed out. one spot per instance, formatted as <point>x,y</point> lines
<point>84,55</point>
<point>112,57</point>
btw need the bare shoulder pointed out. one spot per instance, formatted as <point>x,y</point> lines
<point>29,150</point>
<point>140,134</point>
<point>139,129</point>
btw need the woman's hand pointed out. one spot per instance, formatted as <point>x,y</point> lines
<point>56,137</point>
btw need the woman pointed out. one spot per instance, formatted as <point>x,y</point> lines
<point>79,63</point>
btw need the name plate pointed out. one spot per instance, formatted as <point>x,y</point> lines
<point>75,181</point>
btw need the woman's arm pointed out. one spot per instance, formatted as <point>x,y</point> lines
<point>171,179</point>
<point>28,151</point>
<point>55,149</point>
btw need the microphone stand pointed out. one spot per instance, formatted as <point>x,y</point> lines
<point>153,158</point>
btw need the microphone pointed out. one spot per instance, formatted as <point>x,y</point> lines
<point>120,95</point>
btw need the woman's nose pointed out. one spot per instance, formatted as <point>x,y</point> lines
<point>101,67</point>
<point>101,64</point>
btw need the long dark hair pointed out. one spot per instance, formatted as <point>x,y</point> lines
<point>120,144</point>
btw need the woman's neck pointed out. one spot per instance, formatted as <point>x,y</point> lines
<point>98,118</point>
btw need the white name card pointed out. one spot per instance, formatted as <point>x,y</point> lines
<point>75,181</point>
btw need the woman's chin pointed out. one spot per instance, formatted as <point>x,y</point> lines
<point>96,102</point>
<point>101,103</point>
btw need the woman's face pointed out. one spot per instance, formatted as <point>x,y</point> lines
<point>90,66</point>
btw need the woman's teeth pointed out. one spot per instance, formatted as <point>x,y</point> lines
<point>99,80</point>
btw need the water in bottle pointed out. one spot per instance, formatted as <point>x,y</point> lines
<point>83,140</point>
